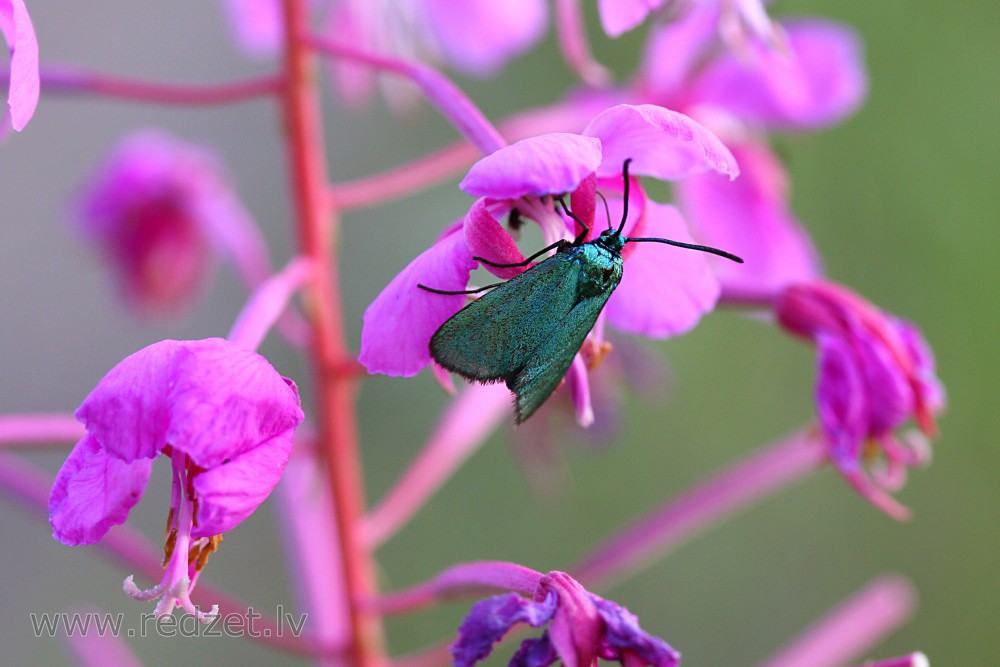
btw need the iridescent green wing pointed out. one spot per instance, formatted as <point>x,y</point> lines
<point>494,337</point>
<point>547,366</point>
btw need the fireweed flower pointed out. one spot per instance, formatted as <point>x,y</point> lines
<point>737,20</point>
<point>225,419</point>
<point>22,97</point>
<point>583,627</point>
<point>658,296</point>
<point>815,80</point>
<point>876,372</point>
<point>158,211</point>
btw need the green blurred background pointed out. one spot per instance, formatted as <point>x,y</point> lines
<point>900,200</point>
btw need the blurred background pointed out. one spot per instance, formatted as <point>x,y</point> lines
<point>901,202</point>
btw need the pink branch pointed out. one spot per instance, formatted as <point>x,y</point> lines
<point>852,628</point>
<point>764,472</point>
<point>267,304</point>
<point>72,80</point>
<point>572,34</point>
<point>40,429</point>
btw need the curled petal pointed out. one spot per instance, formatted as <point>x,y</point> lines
<point>490,619</point>
<point>399,323</point>
<point>94,491</point>
<point>15,24</point>
<point>229,493</point>
<point>481,37</point>
<point>750,217</point>
<point>664,291</point>
<point>840,395</point>
<point>554,163</point>
<point>662,143</point>
<point>623,636</point>
<point>486,238</point>
<point>819,81</point>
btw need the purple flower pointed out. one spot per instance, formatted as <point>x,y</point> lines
<point>158,211</point>
<point>223,416</point>
<point>876,372</point>
<point>22,98</point>
<point>527,177</point>
<point>583,627</point>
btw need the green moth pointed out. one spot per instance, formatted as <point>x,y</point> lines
<point>527,330</point>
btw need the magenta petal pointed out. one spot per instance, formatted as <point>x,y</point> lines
<point>620,16</point>
<point>486,238</point>
<point>481,37</point>
<point>750,217</point>
<point>674,49</point>
<point>230,492</point>
<point>819,82</point>
<point>399,323</point>
<point>94,491</point>
<point>15,24</point>
<point>664,291</point>
<point>490,619</point>
<point>226,400</point>
<point>554,163</point>
<point>662,143</point>
<point>841,400</point>
<point>623,635</point>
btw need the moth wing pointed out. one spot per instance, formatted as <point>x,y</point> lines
<point>548,365</point>
<point>493,337</point>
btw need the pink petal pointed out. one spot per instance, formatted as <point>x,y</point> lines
<point>554,163</point>
<point>486,238</point>
<point>750,217</point>
<point>661,143</point>
<point>484,34</point>
<point>664,291</point>
<point>94,491</point>
<point>673,50</point>
<point>399,323</point>
<point>820,81</point>
<point>230,492</point>
<point>352,22</point>
<point>620,16</point>
<point>15,24</point>
<point>257,25</point>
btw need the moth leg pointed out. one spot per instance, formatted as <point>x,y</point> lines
<point>586,230</point>
<point>562,243</point>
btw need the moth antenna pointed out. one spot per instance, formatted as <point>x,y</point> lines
<point>586,230</point>
<point>621,227</point>
<point>689,246</point>
<point>607,211</point>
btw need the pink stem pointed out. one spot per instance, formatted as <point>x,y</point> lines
<point>917,659</point>
<point>30,486</point>
<point>335,404</point>
<point>852,628</point>
<point>468,421</point>
<point>73,80</point>
<point>453,104</point>
<point>460,580</point>
<point>740,297</point>
<point>40,429</point>
<point>267,304</point>
<point>662,530</point>
<point>572,33</point>
<point>100,649</point>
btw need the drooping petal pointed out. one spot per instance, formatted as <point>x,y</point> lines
<point>818,82</point>
<point>22,98</point>
<point>231,491</point>
<point>554,163</point>
<point>399,323</point>
<point>623,636</point>
<point>485,34</point>
<point>486,238</point>
<point>664,291</point>
<point>225,400</point>
<point>673,50</point>
<point>535,652</point>
<point>750,217</point>
<point>490,619</point>
<point>662,143</point>
<point>94,491</point>
<point>257,26</point>
<point>620,16</point>
<point>576,632</point>
<point>841,401</point>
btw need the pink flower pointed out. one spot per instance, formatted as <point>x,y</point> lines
<point>223,416</point>
<point>736,20</point>
<point>158,211</point>
<point>22,98</point>
<point>876,372</point>
<point>583,627</point>
<point>527,177</point>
